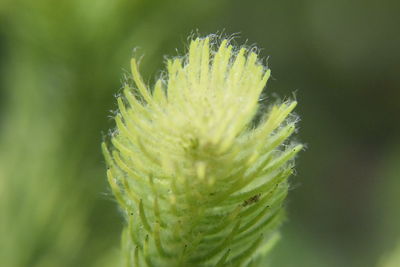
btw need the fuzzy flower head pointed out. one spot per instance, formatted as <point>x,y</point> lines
<point>200,180</point>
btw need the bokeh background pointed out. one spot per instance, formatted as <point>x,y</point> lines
<point>62,63</point>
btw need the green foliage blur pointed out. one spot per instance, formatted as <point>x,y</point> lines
<point>62,63</point>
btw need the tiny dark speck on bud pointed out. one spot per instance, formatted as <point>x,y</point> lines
<point>251,200</point>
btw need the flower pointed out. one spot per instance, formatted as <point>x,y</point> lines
<point>200,181</point>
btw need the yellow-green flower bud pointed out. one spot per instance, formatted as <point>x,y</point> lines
<point>200,181</point>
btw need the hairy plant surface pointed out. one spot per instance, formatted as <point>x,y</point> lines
<point>199,172</point>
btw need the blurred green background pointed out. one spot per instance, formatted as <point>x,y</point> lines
<point>62,63</point>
